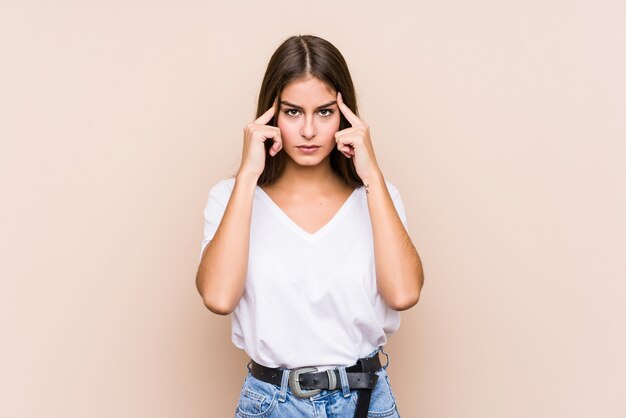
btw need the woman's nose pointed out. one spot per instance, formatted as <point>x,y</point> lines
<point>308,130</point>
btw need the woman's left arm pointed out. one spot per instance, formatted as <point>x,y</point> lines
<point>399,273</point>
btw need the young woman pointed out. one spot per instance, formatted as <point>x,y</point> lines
<point>307,247</point>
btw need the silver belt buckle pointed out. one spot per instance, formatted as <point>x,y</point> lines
<point>294,382</point>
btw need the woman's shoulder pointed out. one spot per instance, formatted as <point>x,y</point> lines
<point>393,189</point>
<point>224,184</point>
<point>222,188</point>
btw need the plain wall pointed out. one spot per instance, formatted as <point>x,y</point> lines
<point>501,123</point>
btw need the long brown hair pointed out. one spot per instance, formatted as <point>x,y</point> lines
<point>298,57</point>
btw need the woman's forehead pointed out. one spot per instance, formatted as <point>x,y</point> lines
<point>310,92</point>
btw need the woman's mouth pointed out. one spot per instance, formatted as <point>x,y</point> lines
<point>308,149</point>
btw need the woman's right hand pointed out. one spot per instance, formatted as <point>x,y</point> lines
<point>254,136</point>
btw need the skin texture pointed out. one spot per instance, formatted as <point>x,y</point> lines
<point>308,126</point>
<point>310,193</point>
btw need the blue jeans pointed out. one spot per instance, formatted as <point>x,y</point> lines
<point>261,399</point>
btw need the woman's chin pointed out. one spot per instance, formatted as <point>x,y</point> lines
<point>308,160</point>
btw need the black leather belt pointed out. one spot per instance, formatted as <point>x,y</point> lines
<point>305,382</point>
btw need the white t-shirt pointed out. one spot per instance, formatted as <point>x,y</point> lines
<point>309,299</point>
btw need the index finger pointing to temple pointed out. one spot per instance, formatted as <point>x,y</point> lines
<point>267,116</point>
<point>352,118</point>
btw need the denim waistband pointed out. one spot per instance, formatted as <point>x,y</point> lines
<point>345,389</point>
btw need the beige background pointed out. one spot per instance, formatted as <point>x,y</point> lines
<point>502,124</point>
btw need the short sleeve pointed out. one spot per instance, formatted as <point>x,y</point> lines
<point>214,210</point>
<point>397,201</point>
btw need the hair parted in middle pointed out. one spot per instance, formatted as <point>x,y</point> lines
<point>299,57</point>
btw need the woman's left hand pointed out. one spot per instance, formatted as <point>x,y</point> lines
<point>356,142</point>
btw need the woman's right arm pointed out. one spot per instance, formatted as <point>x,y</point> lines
<point>223,268</point>
<point>224,264</point>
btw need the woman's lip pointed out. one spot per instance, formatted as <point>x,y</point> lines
<point>308,146</point>
<point>308,150</point>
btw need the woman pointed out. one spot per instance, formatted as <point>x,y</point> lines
<point>307,247</point>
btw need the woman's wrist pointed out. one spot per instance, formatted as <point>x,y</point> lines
<point>374,179</point>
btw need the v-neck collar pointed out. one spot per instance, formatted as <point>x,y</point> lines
<point>297,228</point>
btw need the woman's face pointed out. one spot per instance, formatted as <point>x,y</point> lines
<point>308,115</point>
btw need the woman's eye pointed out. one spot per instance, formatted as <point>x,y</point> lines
<point>327,114</point>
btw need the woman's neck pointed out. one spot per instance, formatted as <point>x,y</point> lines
<point>305,179</point>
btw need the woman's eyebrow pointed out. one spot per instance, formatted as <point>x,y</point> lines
<point>301,108</point>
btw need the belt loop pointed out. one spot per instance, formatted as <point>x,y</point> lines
<point>387,355</point>
<point>284,384</point>
<point>343,376</point>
